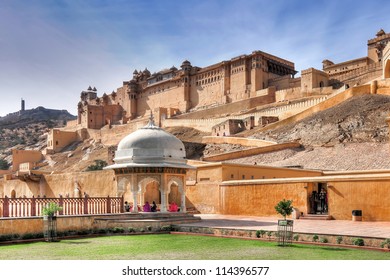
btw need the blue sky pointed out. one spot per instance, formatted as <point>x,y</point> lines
<point>52,50</point>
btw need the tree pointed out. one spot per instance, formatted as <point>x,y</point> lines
<point>99,165</point>
<point>284,208</point>
<point>4,165</point>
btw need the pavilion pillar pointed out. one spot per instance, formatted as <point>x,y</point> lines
<point>135,202</point>
<point>183,201</point>
<point>134,192</point>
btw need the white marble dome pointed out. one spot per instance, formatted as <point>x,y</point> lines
<point>150,146</point>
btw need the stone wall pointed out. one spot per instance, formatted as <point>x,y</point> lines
<point>260,200</point>
<point>23,156</point>
<point>325,104</point>
<point>250,152</point>
<point>282,111</point>
<point>236,140</point>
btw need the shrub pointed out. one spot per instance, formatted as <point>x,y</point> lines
<point>101,231</point>
<point>149,228</point>
<point>130,229</point>
<point>117,230</point>
<point>83,232</point>
<point>51,209</point>
<point>260,233</point>
<point>315,238</point>
<point>386,243</point>
<point>99,165</point>
<point>167,228</point>
<point>269,234</point>
<point>358,241</point>
<point>324,240</point>
<point>284,208</point>
<point>4,165</point>
<point>296,237</point>
<point>6,237</point>
<point>28,236</point>
<point>339,239</point>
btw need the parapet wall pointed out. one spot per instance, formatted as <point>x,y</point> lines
<point>281,111</point>
<point>234,107</point>
<point>236,140</point>
<point>325,104</point>
<point>251,152</point>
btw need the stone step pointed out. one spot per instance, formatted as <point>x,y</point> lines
<point>316,217</point>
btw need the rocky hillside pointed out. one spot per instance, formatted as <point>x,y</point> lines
<point>27,129</point>
<point>357,120</point>
<point>351,136</point>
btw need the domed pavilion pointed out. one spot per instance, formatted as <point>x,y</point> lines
<point>151,155</point>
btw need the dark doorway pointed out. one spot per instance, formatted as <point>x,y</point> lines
<point>319,199</point>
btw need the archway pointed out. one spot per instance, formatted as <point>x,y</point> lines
<point>123,189</point>
<point>152,192</point>
<point>149,187</point>
<point>176,192</point>
<point>386,73</point>
<point>13,194</point>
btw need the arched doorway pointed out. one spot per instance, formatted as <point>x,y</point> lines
<point>152,193</point>
<point>149,190</point>
<point>13,194</point>
<point>386,70</point>
<point>176,192</point>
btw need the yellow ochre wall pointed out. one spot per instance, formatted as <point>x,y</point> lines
<point>372,197</point>
<point>260,200</point>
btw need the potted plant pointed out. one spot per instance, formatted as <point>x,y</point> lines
<point>285,227</point>
<point>284,208</point>
<point>50,221</point>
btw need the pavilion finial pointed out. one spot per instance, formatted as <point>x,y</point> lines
<point>151,120</point>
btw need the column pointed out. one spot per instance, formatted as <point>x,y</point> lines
<point>183,201</point>
<point>134,192</point>
<point>135,201</point>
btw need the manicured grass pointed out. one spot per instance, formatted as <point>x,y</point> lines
<point>182,247</point>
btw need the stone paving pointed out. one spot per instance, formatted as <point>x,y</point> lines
<point>333,227</point>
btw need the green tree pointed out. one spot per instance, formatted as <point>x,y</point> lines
<point>99,165</point>
<point>284,208</point>
<point>4,165</point>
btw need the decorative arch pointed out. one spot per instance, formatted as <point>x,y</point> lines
<point>177,181</point>
<point>143,181</point>
<point>121,185</point>
<point>151,194</point>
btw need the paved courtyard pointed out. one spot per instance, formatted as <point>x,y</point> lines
<point>334,227</point>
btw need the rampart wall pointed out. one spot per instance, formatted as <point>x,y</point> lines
<point>236,140</point>
<point>283,111</point>
<point>325,104</point>
<point>251,152</point>
<point>235,107</point>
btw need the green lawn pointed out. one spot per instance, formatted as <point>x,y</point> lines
<point>182,247</point>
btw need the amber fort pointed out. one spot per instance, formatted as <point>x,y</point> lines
<point>255,91</point>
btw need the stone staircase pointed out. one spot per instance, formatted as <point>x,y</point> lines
<point>316,217</point>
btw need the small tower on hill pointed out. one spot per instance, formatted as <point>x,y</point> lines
<point>22,105</point>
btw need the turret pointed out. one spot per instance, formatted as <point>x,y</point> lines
<point>186,66</point>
